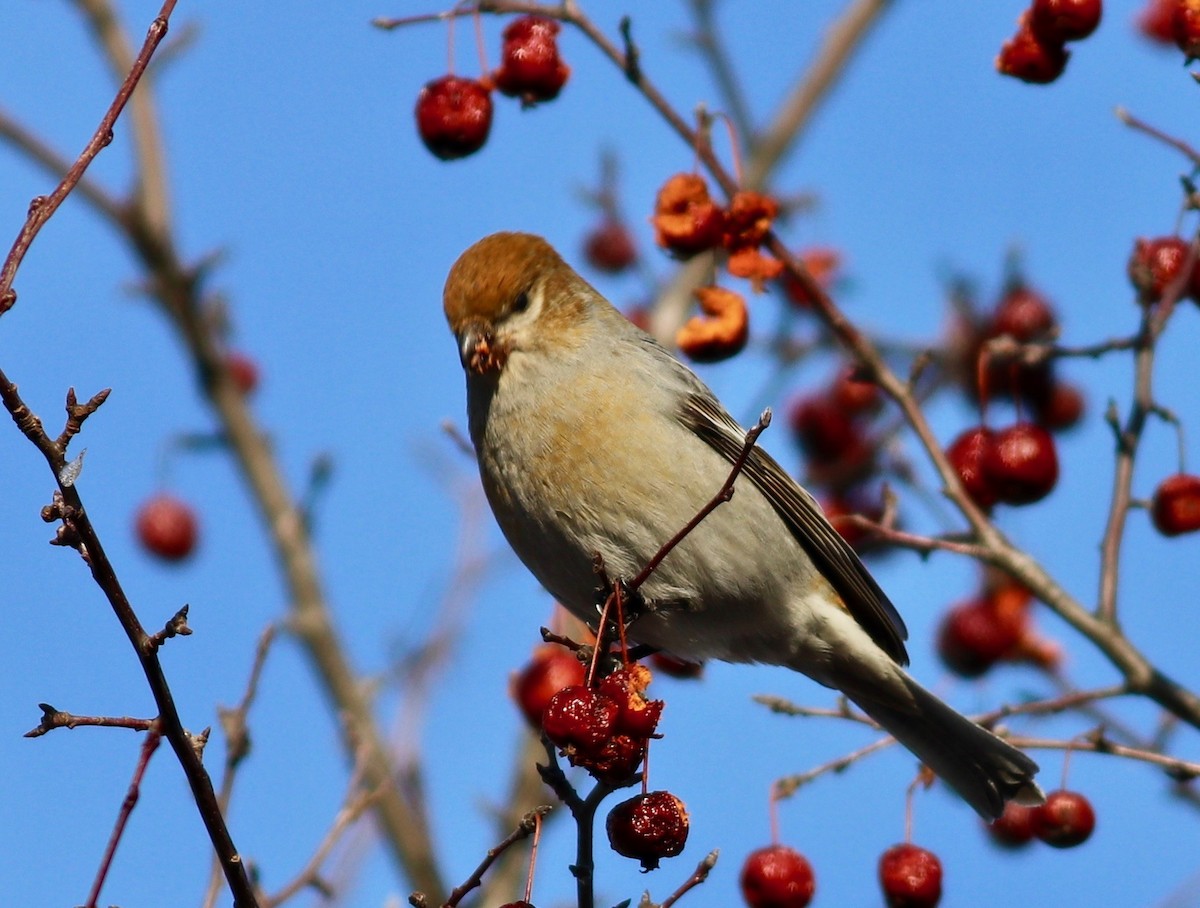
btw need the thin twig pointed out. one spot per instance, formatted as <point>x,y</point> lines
<point>56,718</point>
<point>524,830</point>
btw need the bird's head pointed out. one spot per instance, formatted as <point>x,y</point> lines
<point>510,293</point>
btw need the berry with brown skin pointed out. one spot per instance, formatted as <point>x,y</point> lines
<point>1028,58</point>
<point>454,116</point>
<point>648,827</point>
<point>1057,21</point>
<point>609,247</point>
<point>243,370</point>
<point>551,669</point>
<point>167,527</point>
<point>1021,464</point>
<point>975,635</point>
<point>1175,508</point>
<point>1065,820</point>
<point>580,718</point>
<point>530,67</point>
<point>777,877</point>
<point>1014,828</point>
<point>966,454</point>
<point>911,877</point>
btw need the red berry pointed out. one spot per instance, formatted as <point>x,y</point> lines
<point>454,116</point>
<point>853,393</point>
<point>1056,21</point>
<point>243,370</point>
<point>1015,827</point>
<point>551,669</point>
<point>1185,27</point>
<point>530,68</point>
<point>1155,264</point>
<point>167,527</point>
<point>674,667</point>
<point>648,827</point>
<point>519,904</point>
<point>1026,57</point>
<point>609,247</point>
<point>777,877</point>
<point>966,455</point>
<point>1061,407</point>
<point>639,715</point>
<point>975,635</point>
<point>579,717</point>
<point>840,507</point>
<point>1023,314</point>
<point>615,762</point>
<point>911,877</point>
<point>1065,820</point>
<point>1157,21</point>
<point>1021,464</point>
<point>1176,505</point>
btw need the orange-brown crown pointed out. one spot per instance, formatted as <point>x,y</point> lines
<point>493,273</point>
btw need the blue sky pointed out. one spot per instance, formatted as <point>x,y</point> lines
<point>292,152</point>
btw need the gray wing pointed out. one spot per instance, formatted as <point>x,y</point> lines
<point>832,555</point>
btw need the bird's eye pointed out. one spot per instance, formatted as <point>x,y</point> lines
<point>521,303</point>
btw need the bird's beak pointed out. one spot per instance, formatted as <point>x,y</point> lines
<point>478,349</point>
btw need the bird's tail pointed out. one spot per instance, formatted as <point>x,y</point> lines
<point>984,770</point>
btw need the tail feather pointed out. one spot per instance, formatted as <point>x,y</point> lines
<point>984,770</point>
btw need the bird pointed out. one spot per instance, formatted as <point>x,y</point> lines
<point>594,441</point>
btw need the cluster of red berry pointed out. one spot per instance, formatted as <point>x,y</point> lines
<point>454,114</point>
<point>991,627</point>
<point>605,727</point>
<point>1037,52</point>
<point>1064,821</point>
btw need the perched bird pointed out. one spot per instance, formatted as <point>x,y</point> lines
<point>593,440</point>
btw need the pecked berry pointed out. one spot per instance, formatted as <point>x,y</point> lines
<point>551,669</point>
<point>167,527</point>
<point>648,827</point>
<point>1065,820</point>
<point>1021,463</point>
<point>454,116</point>
<point>1175,508</point>
<point>579,717</point>
<point>639,715</point>
<point>530,67</point>
<point>777,877</point>
<point>911,877</point>
<point>1057,21</point>
<point>615,762</point>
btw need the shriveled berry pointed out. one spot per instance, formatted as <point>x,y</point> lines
<point>686,219</point>
<point>648,827</point>
<point>975,635</point>
<point>530,67</point>
<point>580,717</point>
<point>777,877</point>
<point>1028,58</point>
<point>639,715</point>
<point>551,669</point>
<point>615,762</point>
<point>1175,508</point>
<point>454,116</point>
<point>609,247</point>
<point>1016,827</point>
<point>911,877</point>
<point>966,454</point>
<point>1065,820</point>
<point>1021,464</point>
<point>1056,21</point>
<point>167,527</point>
